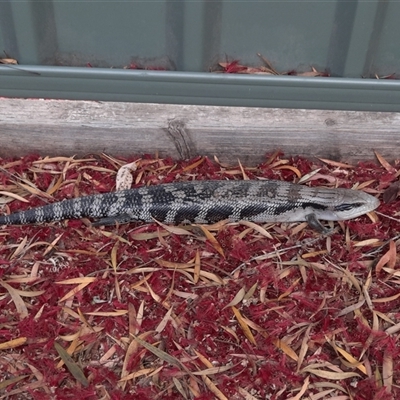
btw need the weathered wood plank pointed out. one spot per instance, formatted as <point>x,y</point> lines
<point>63,127</point>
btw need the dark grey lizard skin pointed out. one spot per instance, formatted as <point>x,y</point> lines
<point>207,202</point>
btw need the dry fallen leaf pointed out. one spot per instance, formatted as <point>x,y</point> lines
<point>11,344</point>
<point>385,164</point>
<point>20,305</point>
<point>237,299</point>
<point>8,61</point>
<point>71,365</point>
<point>246,330</point>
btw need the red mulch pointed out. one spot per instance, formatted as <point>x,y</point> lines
<point>230,311</point>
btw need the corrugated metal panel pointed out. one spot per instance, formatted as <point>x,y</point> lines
<point>350,38</point>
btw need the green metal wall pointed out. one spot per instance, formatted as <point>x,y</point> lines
<point>352,39</point>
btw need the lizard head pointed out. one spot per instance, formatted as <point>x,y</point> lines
<point>350,204</point>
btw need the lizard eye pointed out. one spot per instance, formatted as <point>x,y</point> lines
<point>347,206</point>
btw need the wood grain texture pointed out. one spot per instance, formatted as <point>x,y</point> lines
<point>64,127</point>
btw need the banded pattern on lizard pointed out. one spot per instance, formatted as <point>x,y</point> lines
<point>208,202</point>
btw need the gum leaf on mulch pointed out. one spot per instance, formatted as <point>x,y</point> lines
<point>227,311</point>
